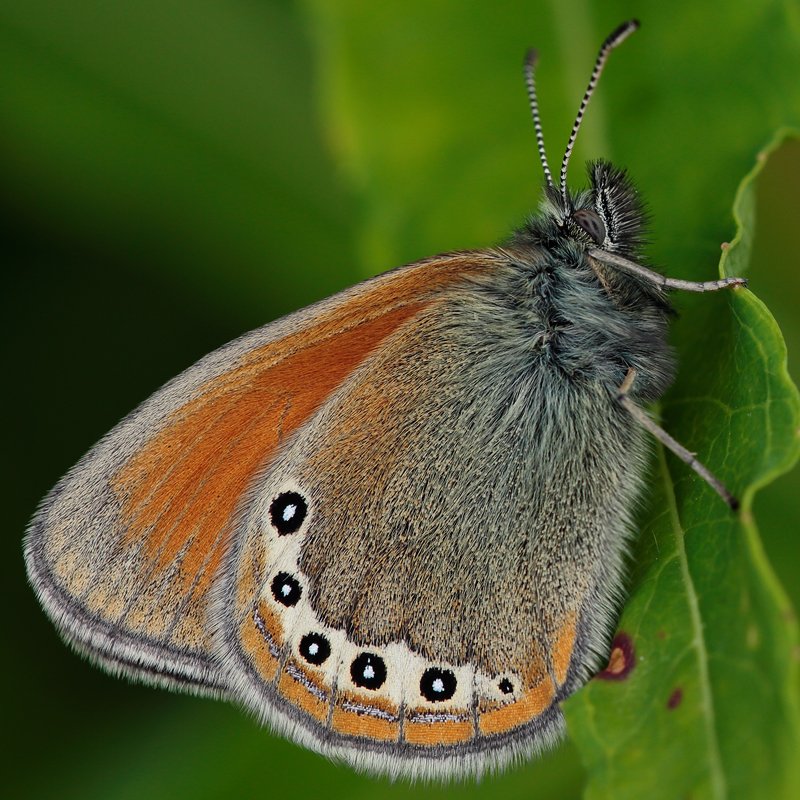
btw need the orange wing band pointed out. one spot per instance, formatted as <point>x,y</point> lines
<point>179,492</point>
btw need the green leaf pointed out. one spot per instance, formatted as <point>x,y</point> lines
<point>711,708</point>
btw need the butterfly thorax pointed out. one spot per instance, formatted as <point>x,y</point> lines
<point>603,321</point>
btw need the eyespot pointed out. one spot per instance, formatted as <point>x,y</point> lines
<point>505,686</point>
<point>590,221</point>
<point>368,671</point>
<point>437,684</point>
<point>286,589</point>
<point>315,648</point>
<point>287,512</point>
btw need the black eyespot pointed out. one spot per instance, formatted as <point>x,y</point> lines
<point>287,512</point>
<point>590,221</point>
<point>368,671</point>
<point>505,686</point>
<point>315,648</point>
<point>437,684</point>
<point>285,589</point>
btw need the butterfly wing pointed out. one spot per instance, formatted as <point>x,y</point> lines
<point>372,523</point>
<point>125,549</point>
<point>425,569</point>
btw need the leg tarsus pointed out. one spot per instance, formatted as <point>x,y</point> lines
<point>688,458</point>
<point>657,278</point>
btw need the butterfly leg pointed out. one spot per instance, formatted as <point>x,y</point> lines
<point>658,279</point>
<point>599,274</point>
<point>688,458</point>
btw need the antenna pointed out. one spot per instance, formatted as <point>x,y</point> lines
<point>530,66</point>
<point>614,40</point>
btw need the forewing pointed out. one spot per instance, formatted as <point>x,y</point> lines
<point>125,550</point>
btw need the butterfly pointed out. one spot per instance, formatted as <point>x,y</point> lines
<point>392,525</point>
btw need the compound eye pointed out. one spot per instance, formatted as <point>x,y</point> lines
<point>590,221</point>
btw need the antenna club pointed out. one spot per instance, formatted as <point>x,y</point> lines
<point>612,41</point>
<point>618,36</point>
<point>531,58</point>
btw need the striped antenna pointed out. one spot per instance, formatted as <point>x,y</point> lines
<point>530,66</point>
<point>614,40</point>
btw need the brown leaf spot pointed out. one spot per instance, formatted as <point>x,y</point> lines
<point>675,698</point>
<point>622,659</point>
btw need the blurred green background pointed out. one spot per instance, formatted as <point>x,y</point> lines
<point>173,174</point>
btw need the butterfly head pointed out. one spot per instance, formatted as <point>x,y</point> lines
<point>609,214</point>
